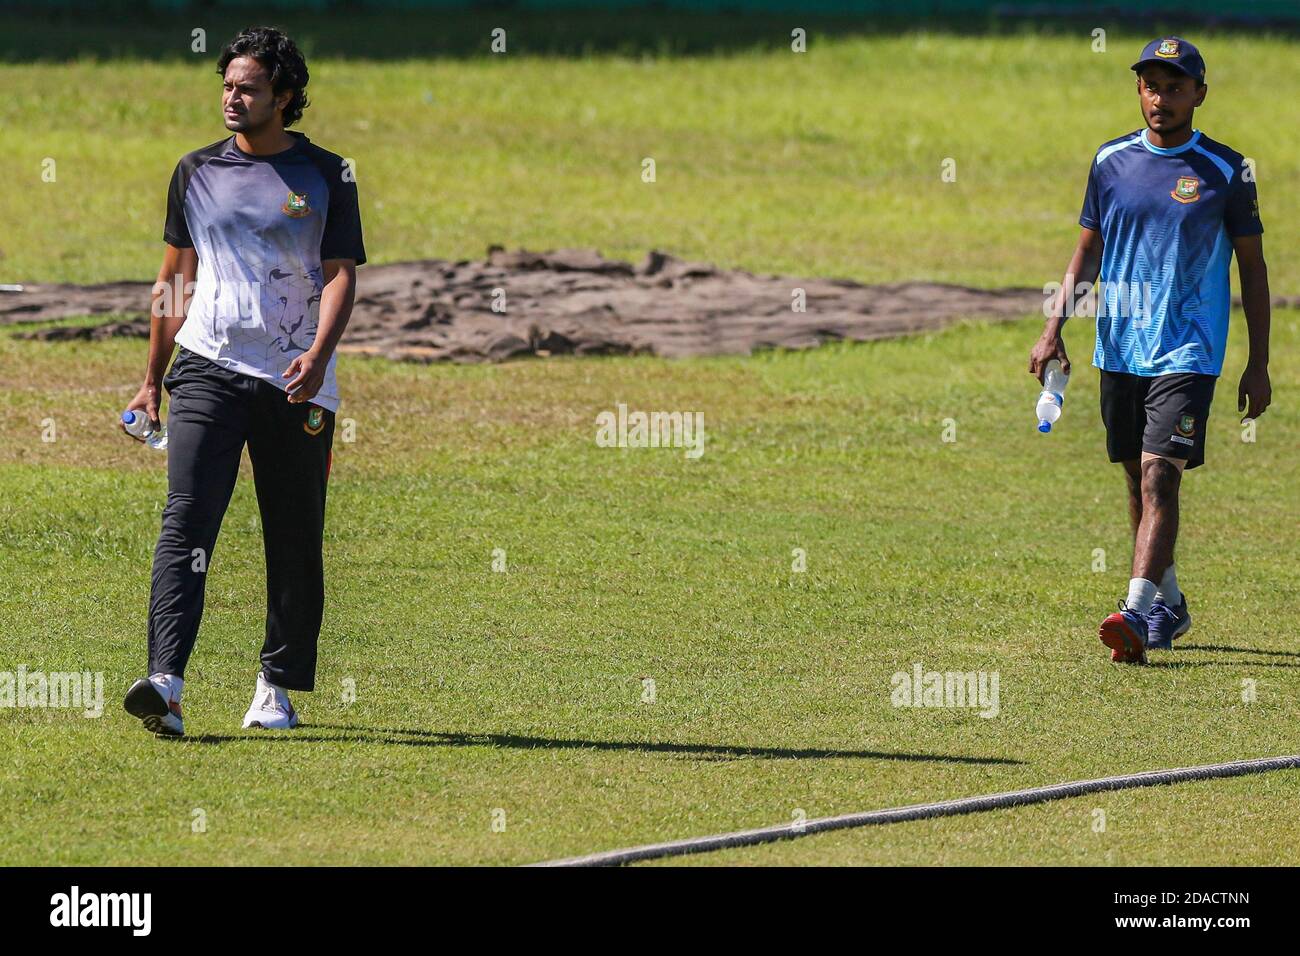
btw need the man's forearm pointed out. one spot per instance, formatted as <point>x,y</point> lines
<point>162,342</point>
<point>1255,302</point>
<point>171,292</point>
<point>335,310</point>
<point>1084,267</point>
<point>167,315</point>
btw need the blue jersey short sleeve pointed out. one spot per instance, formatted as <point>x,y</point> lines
<point>1242,214</point>
<point>1167,218</point>
<point>1089,218</point>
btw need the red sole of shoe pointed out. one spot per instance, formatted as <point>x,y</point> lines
<point>1118,636</point>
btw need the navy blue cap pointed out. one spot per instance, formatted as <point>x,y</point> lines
<point>1175,52</point>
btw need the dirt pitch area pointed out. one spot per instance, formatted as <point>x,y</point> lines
<point>573,301</point>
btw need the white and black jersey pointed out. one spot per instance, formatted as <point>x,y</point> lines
<point>261,226</point>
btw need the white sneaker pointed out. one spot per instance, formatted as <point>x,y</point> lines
<point>270,709</point>
<point>157,702</point>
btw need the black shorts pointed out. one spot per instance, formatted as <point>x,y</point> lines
<point>1163,414</point>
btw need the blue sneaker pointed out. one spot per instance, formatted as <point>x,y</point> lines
<point>1165,623</point>
<point>1125,633</point>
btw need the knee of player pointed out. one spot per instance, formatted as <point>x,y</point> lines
<point>1159,481</point>
<point>187,511</point>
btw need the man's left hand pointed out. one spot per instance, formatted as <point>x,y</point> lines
<point>1255,391</point>
<point>310,371</point>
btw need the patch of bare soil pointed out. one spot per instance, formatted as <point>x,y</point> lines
<point>574,301</point>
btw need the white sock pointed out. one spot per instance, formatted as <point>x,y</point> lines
<point>1168,592</point>
<point>1141,593</point>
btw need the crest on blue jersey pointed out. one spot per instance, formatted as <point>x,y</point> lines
<point>1187,190</point>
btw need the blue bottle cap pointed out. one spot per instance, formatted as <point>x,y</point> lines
<point>1044,425</point>
<point>128,418</point>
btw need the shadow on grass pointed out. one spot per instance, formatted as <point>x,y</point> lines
<point>1180,664</point>
<point>427,738</point>
<point>1235,650</point>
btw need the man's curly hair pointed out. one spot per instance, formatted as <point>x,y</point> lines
<point>280,58</point>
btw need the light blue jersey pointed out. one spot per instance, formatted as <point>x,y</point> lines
<point>1167,218</point>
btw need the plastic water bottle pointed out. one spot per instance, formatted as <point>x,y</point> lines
<point>137,424</point>
<point>1052,396</point>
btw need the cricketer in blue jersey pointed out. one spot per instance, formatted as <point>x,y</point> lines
<point>1165,210</point>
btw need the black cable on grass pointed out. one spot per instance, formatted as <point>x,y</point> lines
<point>922,811</point>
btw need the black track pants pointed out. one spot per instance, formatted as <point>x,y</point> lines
<point>213,411</point>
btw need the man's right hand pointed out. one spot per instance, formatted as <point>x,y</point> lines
<point>145,400</point>
<point>1049,346</point>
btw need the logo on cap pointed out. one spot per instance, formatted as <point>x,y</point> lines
<point>1187,190</point>
<point>1168,48</point>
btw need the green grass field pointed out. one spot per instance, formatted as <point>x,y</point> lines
<point>824,163</point>
<point>522,692</point>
